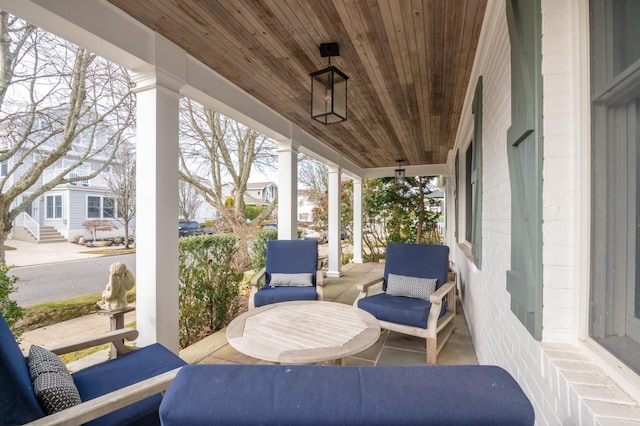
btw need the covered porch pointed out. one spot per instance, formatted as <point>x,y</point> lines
<point>512,140</point>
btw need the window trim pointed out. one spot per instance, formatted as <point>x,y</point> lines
<point>101,209</point>
<point>54,196</point>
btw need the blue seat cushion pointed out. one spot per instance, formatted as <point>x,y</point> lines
<point>268,295</point>
<point>398,309</point>
<point>123,371</point>
<point>346,395</point>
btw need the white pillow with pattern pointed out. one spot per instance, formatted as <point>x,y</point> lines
<point>418,288</point>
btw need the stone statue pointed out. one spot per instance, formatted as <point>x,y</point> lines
<point>114,296</point>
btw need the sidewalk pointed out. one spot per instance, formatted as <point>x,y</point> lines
<point>29,254</point>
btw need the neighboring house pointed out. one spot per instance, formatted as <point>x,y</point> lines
<point>305,207</point>
<point>60,214</point>
<point>257,193</point>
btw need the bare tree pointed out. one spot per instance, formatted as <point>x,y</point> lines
<point>121,180</point>
<point>215,149</point>
<point>56,100</point>
<point>189,201</point>
<point>315,176</point>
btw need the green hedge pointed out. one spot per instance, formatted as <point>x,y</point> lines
<point>209,286</point>
<point>258,248</point>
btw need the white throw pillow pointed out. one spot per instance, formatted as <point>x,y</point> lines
<point>291,280</point>
<point>418,288</point>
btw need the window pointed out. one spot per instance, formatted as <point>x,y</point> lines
<point>4,168</point>
<point>615,178</point>
<point>54,206</point>
<point>108,207</point>
<point>93,207</point>
<point>99,207</point>
<point>473,181</point>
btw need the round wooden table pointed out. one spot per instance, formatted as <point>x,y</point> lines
<point>303,332</point>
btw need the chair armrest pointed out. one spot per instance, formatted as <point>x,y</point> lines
<point>116,337</point>
<point>254,286</point>
<point>438,296</point>
<point>110,402</point>
<point>320,284</point>
<point>260,275</point>
<point>364,288</point>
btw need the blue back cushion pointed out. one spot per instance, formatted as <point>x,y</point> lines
<point>291,257</point>
<point>417,260</point>
<point>18,403</point>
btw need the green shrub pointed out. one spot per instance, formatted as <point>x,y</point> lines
<point>258,248</point>
<point>346,258</point>
<point>9,308</point>
<point>209,285</point>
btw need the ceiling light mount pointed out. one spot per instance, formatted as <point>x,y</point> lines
<point>329,89</point>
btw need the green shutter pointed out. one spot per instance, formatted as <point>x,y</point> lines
<point>476,177</point>
<point>457,165</point>
<point>524,152</point>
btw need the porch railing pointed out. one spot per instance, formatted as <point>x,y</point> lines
<point>28,222</point>
<point>97,182</point>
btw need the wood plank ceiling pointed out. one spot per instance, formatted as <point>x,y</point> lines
<point>408,63</point>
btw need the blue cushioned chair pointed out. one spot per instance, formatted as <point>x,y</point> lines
<point>123,391</point>
<point>432,319</point>
<point>287,257</point>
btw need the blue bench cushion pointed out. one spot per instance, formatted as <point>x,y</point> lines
<point>398,309</point>
<point>348,395</point>
<point>124,371</point>
<point>268,295</point>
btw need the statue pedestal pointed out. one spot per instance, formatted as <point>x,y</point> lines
<point>116,322</point>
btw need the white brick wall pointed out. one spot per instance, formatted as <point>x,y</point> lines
<point>566,385</point>
<point>558,172</point>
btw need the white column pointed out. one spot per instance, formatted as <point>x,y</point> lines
<point>335,246</point>
<point>157,210</point>
<point>287,190</point>
<point>357,221</point>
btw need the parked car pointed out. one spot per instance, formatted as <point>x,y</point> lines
<point>189,228</point>
<point>270,226</point>
<point>311,233</point>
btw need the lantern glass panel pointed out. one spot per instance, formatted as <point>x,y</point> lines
<point>329,95</point>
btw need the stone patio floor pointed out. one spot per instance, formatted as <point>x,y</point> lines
<point>391,348</point>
